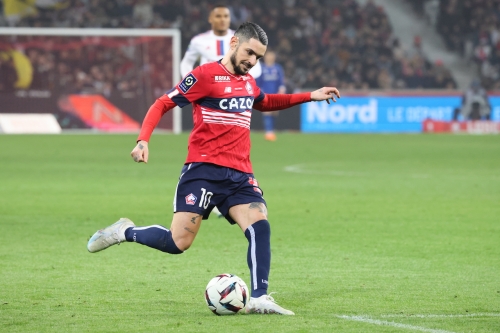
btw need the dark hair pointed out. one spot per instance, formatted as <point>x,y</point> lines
<point>251,30</point>
<point>219,5</point>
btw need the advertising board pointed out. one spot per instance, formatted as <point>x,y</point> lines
<point>382,113</point>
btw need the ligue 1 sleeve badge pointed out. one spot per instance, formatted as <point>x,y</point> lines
<point>187,82</point>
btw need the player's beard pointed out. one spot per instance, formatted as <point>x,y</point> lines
<point>236,67</point>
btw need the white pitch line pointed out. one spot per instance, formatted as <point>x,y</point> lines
<point>299,168</point>
<point>310,170</point>
<point>440,315</point>
<point>393,324</point>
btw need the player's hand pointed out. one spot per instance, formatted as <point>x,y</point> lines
<point>325,93</point>
<point>141,152</point>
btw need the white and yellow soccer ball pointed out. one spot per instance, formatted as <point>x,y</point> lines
<point>226,294</point>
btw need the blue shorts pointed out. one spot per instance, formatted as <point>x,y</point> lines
<point>203,185</point>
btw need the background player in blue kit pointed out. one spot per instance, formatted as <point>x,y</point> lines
<point>271,81</point>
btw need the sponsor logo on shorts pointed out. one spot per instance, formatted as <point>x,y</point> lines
<point>191,199</point>
<point>258,190</point>
<point>253,181</point>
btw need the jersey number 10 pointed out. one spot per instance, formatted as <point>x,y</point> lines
<point>205,198</point>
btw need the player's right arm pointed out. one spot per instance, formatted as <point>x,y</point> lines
<point>193,87</point>
<point>161,106</point>
<point>190,57</point>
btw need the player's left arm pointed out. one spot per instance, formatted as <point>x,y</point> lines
<point>275,102</point>
<point>325,94</point>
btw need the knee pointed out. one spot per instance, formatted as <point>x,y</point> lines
<point>262,227</point>
<point>183,242</point>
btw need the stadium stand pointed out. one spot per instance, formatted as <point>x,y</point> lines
<point>319,42</point>
<point>106,68</point>
<point>471,28</point>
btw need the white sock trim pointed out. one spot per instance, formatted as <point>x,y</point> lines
<point>253,257</point>
<point>151,226</point>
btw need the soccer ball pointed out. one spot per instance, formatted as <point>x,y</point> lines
<point>226,294</point>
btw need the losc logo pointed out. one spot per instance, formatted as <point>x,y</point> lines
<point>338,113</point>
<point>249,88</point>
<point>191,199</point>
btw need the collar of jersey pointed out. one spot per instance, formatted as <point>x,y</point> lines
<point>237,77</point>
<point>229,32</point>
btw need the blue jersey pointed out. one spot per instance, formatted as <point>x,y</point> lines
<point>271,79</point>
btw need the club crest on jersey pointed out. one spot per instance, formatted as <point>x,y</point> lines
<point>187,83</point>
<point>249,88</point>
<point>191,199</point>
<point>222,78</point>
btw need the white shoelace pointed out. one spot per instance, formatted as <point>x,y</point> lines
<point>270,298</point>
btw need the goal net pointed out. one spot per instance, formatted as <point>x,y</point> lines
<point>101,79</point>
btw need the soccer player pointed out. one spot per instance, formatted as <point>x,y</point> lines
<point>212,45</point>
<point>217,170</point>
<point>271,81</point>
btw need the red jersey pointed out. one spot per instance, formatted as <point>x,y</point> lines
<point>222,110</point>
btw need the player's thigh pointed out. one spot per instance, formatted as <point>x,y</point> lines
<point>247,214</point>
<point>184,228</point>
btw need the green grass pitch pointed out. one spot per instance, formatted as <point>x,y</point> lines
<point>370,233</point>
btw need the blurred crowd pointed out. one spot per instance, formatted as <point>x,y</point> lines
<point>318,42</point>
<point>343,44</point>
<point>472,28</point>
<point>126,67</point>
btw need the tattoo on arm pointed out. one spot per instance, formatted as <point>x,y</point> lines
<point>189,230</point>
<point>260,206</point>
<point>193,219</point>
<point>141,147</point>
